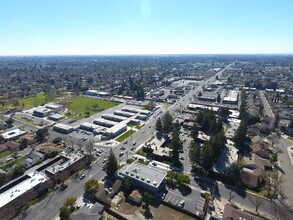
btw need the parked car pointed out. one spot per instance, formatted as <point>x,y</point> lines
<point>181,204</point>
<point>104,161</point>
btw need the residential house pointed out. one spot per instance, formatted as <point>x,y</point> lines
<point>261,150</point>
<point>252,178</point>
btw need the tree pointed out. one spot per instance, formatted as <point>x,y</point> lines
<point>231,196</point>
<point>167,123</point>
<point>195,153</point>
<point>159,126</point>
<point>218,98</point>
<point>15,103</point>
<point>23,143</point>
<point>147,198</point>
<point>224,112</point>
<point>41,134</point>
<point>18,170</point>
<point>175,145</point>
<point>233,171</point>
<point>64,213</point>
<point>240,136</point>
<point>68,208</point>
<point>194,131</point>
<point>57,140</point>
<point>257,202</point>
<point>183,179</point>
<point>277,119</point>
<point>9,122</point>
<point>207,156</point>
<point>91,187</point>
<point>111,166</point>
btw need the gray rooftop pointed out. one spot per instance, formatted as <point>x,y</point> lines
<point>148,175</point>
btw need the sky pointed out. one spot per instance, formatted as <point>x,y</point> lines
<point>111,27</point>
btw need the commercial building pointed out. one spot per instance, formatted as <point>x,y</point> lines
<point>208,96</point>
<point>56,117</point>
<point>198,107</point>
<point>88,126</point>
<point>54,107</point>
<point>13,134</point>
<point>42,112</point>
<point>136,110</point>
<point>143,176</point>
<point>105,122</point>
<point>124,114</point>
<point>63,128</point>
<point>114,117</point>
<point>116,130</point>
<point>231,98</point>
<point>20,192</point>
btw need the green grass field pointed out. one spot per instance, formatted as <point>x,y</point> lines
<point>5,153</point>
<point>80,105</point>
<point>39,99</point>
<point>125,135</point>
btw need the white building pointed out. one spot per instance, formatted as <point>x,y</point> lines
<point>231,98</point>
<point>63,128</point>
<point>13,134</point>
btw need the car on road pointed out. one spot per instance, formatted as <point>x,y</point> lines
<point>134,143</point>
<point>104,161</point>
<point>132,148</point>
<point>125,142</point>
<point>63,187</point>
<point>181,204</point>
<point>82,176</point>
<point>121,154</point>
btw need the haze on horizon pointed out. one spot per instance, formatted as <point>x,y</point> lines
<point>86,27</point>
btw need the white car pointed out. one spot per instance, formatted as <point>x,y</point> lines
<point>181,204</point>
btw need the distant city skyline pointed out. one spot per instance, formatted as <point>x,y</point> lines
<point>122,27</point>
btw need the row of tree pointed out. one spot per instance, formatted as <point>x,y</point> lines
<point>207,154</point>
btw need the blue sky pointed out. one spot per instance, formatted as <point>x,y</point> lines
<point>61,27</point>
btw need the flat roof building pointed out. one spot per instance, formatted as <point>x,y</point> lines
<point>56,117</point>
<point>54,107</point>
<point>114,117</point>
<point>116,130</point>
<point>13,134</point>
<point>149,178</point>
<point>124,114</point>
<point>88,126</point>
<point>197,107</point>
<point>42,112</point>
<point>63,128</point>
<point>30,181</point>
<point>105,122</point>
<point>231,98</point>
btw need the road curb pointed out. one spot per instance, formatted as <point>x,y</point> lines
<point>289,153</point>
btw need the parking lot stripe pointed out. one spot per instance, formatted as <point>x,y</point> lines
<point>176,202</point>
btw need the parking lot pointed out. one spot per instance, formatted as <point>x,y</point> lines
<point>193,202</point>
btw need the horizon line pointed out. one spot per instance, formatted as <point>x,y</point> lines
<point>148,54</point>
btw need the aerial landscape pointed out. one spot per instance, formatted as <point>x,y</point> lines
<point>146,110</point>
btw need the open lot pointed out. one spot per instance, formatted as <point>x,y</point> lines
<point>156,211</point>
<point>81,105</point>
